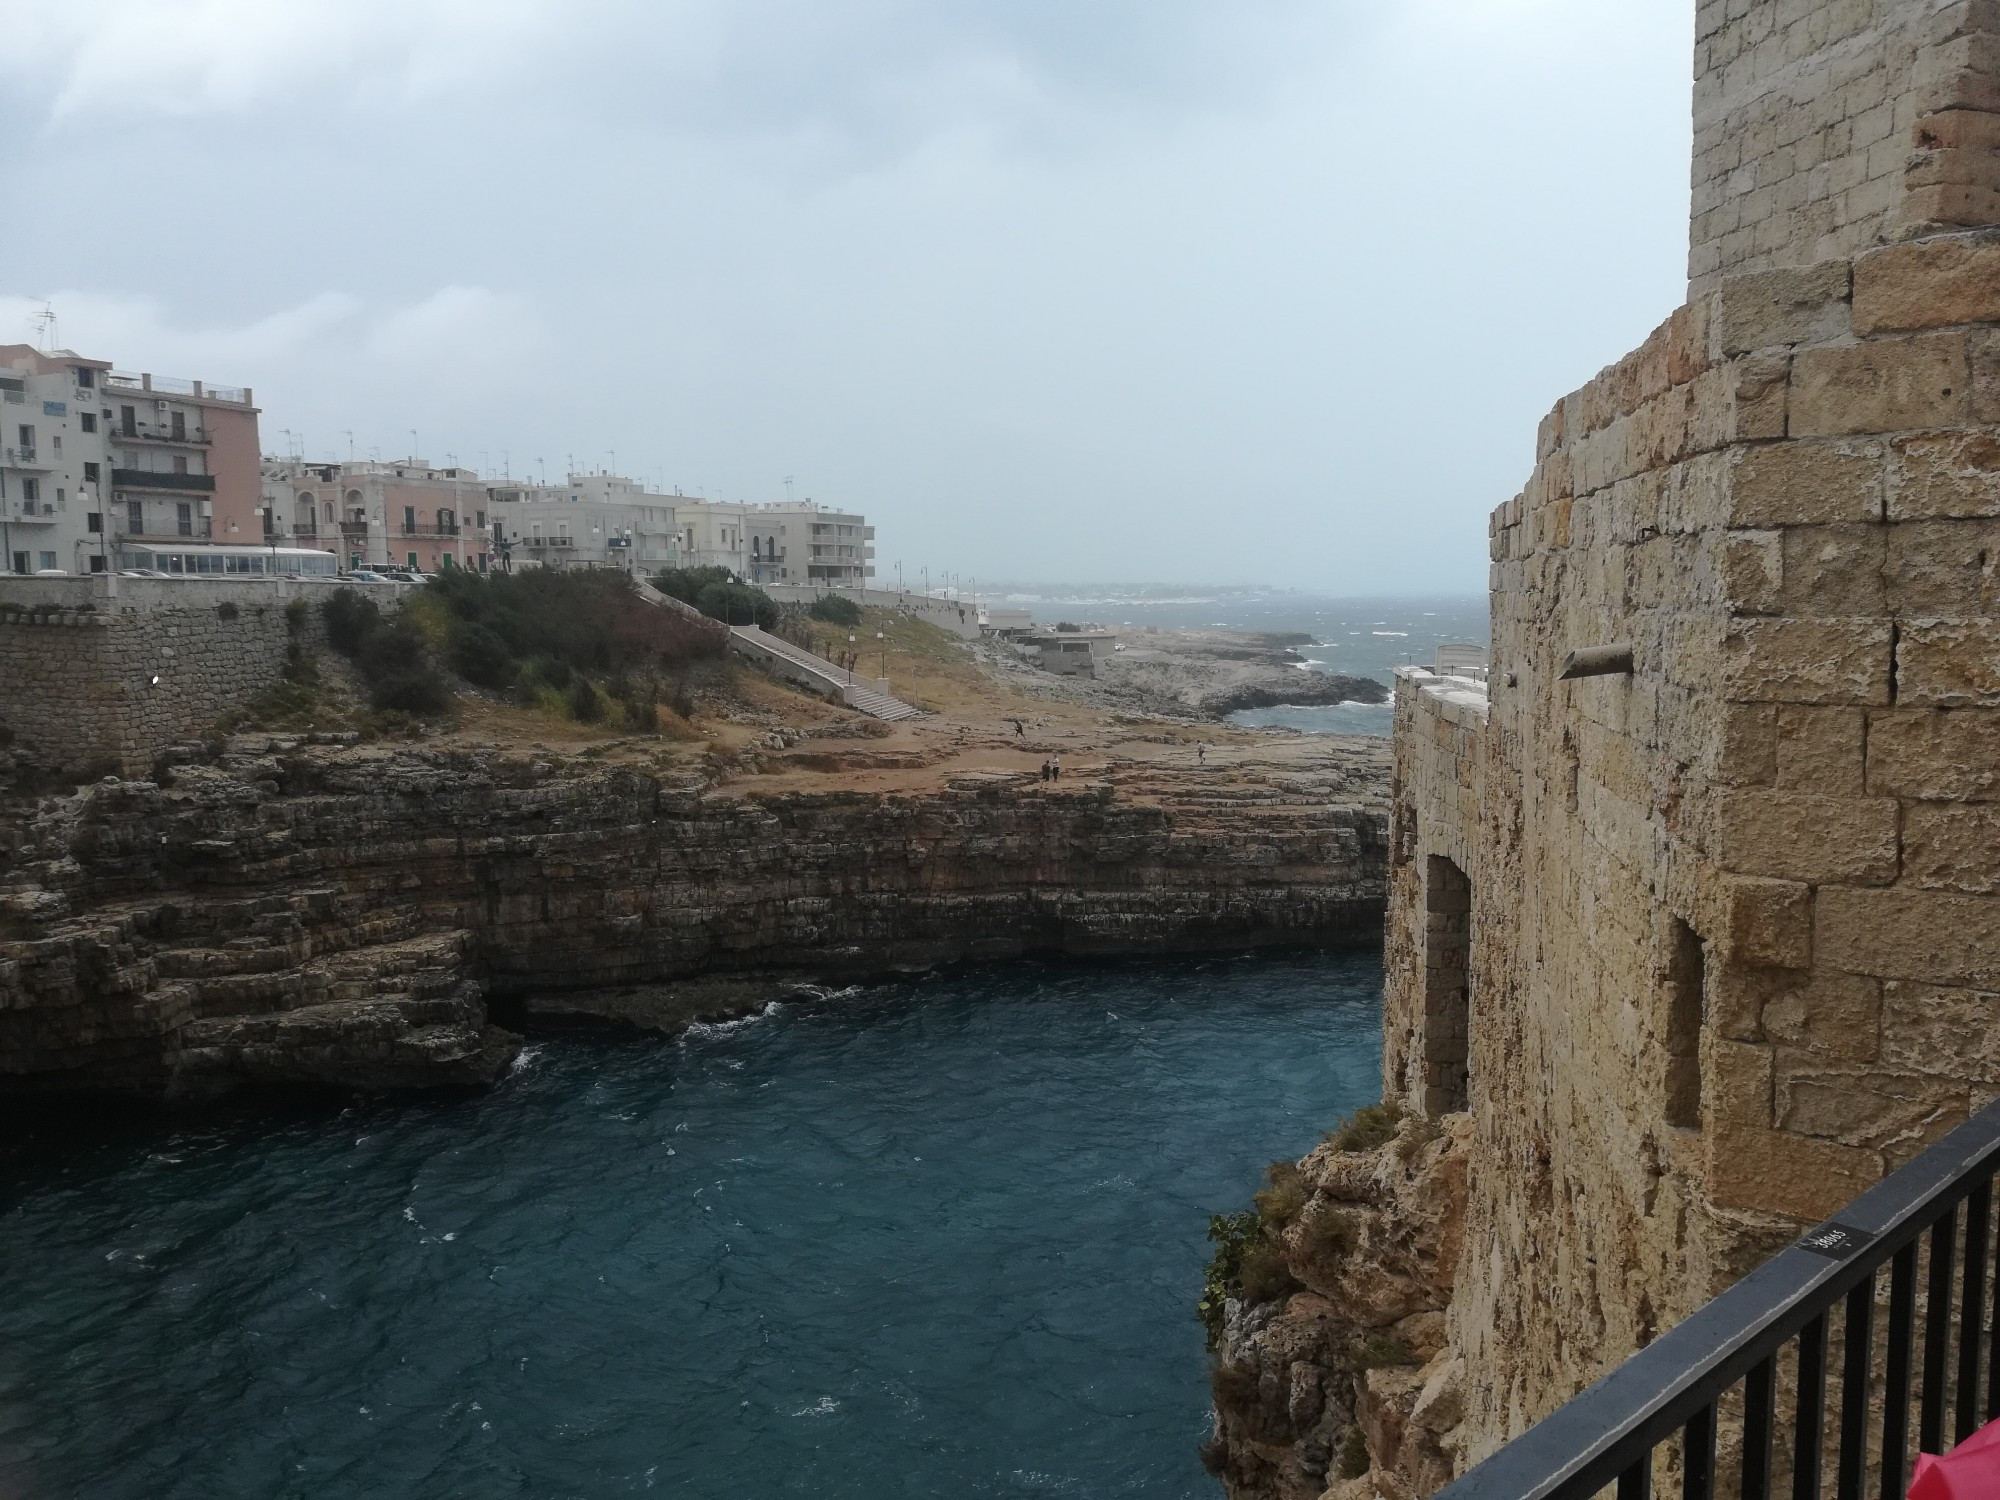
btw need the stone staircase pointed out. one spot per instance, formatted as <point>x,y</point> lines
<point>819,674</point>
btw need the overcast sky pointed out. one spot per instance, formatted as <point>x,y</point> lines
<point>1144,290</point>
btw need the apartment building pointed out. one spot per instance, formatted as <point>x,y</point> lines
<point>786,542</point>
<point>405,514</point>
<point>93,457</point>
<point>593,521</point>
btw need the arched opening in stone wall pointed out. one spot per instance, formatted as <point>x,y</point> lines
<point>1447,986</point>
<point>1687,1008</point>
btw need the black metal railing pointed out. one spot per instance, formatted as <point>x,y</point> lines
<point>1726,1365</point>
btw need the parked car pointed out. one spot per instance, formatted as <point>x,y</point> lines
<point>144,573</point>
<point>51,572</point>
<point>366,575</point>
<point>405,575</point>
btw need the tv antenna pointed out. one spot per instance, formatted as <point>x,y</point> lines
<point>788,489</point>
<point>45,326</point>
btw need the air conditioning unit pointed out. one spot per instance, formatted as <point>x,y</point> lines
<point>159,403</point>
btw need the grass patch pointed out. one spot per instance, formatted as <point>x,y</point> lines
<point>1369,1127</point>
<point>1354,1460</point>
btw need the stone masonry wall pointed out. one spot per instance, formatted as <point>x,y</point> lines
<point>111,672</point>
<point>1825,127</point>
<point>1774,845</point>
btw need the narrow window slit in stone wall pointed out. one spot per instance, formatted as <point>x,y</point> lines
<point>1447,997</point>
<point>1687,1008</point>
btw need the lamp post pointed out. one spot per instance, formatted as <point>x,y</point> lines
<point>850,661</point>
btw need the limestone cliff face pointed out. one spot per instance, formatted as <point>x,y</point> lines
<point>295,914</point>
<point>1344,1386</point>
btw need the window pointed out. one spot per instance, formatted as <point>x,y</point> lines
<point>94,522</point>
<point>481,522</point>
<point>55,442</point>
<point>180,463</point>
<point>135,518</point>
<point>88,421</point>
<point>20,562</point>
<point>1687,1004</point>
<point>128,421</point>
<point>62,498</point>
<point>1447,987</point>
<point>90,473</point>
<point>97,562</point>
<point>327,509</point>
<point>180,426</point>
<point>47,561</point>
<point>410,522</point>
<point>86,378</point>
<point>31,491</point>
<point>184,518</point>
<point>26,441</point>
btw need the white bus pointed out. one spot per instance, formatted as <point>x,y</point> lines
<point>229,562</point>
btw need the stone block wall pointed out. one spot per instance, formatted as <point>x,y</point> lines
<point>1735,916</point>
<point>1824,127</point>
<point>104,674</point>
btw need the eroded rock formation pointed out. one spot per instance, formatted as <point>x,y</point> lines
<point>321,914</point>
<point>1345,1386</point>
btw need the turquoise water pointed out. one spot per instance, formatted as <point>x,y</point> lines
<point>930,1239</point>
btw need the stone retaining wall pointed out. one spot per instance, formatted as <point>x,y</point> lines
<point>104,673</point>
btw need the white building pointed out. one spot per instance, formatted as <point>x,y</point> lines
<point>593,521</point>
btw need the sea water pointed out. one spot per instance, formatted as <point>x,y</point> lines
<point>1356,637</point>
<point>933,1239</point>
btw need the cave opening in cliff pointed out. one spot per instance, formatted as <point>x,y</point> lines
<point>1687,1006</point>
<point>1447,997</point>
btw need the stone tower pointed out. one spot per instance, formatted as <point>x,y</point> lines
<point>1702,945</point>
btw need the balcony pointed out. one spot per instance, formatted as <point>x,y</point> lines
<point>548,541</point>
<point>436,530</point>
<point>146,479</point>
<point>26,458</point>
<point>1821,1295</point>
<point>358,530</point>
<point>32,513</point>
<point>184,531</point>
<point>151,432</point>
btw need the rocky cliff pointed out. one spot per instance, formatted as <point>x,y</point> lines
<point>1332,1376</point>
<point>294,914</point>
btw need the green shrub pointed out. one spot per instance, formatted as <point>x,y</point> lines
<point>480,656</point>
<point>301,669</point>
<point>1370,1126</point>
<point>350,620</point>
<point>1232,1235</point>
<point>583,702</point>
<point>641,712</point>
<point>227,610</point>
<point>686,584</point>
<point>835,610</point>
<point>295,617</point>
<point>738,604</point>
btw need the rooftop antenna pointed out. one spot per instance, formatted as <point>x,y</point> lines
<point>614,461</point>
<point>350,447</point>
<point>415,446</point>
<point>45,324</point>
<point>788,489</point>
<point>506,468</point>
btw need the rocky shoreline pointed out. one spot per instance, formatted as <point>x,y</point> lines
<point>288,915</point>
